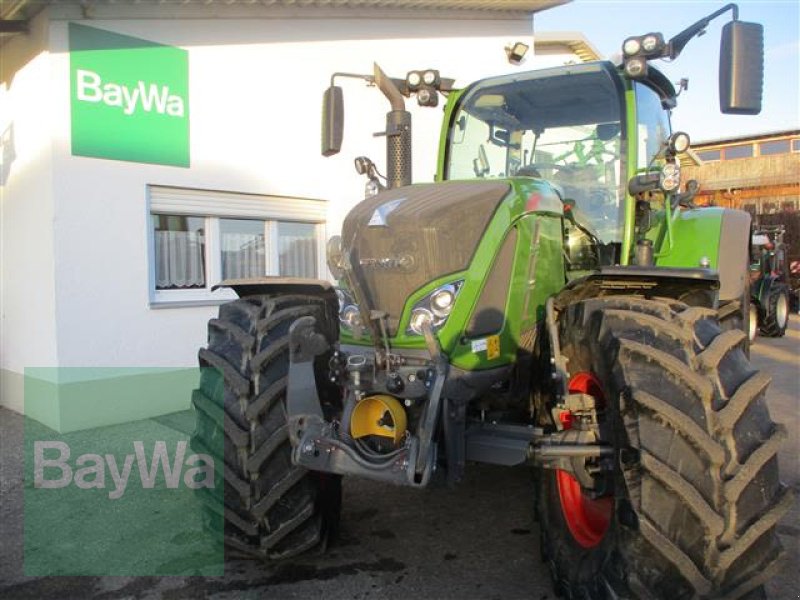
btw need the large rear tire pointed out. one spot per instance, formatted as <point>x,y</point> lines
<point>270,509</point>
<point>775,317</point>
<point>696,494</point>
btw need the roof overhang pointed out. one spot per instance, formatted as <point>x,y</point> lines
<point>15,14</point>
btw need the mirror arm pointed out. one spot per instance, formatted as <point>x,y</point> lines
<point>679,41</point>
<point>368,78</point>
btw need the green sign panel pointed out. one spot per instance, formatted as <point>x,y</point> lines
<point>129,98</point>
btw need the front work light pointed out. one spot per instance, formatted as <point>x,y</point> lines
<point>678,142</point>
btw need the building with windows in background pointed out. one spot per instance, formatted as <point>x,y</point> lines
<point>151,149</point>
<point>757,173</point>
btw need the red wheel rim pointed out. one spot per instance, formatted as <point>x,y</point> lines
<point>587,518</point>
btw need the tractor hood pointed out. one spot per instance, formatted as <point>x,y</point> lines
<point>404,238</point>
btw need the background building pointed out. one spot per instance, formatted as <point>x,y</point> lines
<point>151,149</point>
<point>759,173</point>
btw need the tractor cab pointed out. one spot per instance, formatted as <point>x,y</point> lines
<point>562,125</point>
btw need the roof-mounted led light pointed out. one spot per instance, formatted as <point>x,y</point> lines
<point>430,77</point>
<point>631,46</point>
<point>636,68</point>
<point>652,43</point>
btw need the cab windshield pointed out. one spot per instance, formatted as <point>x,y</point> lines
<point>562,125</point>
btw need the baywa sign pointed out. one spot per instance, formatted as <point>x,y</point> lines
<point>129,98</point>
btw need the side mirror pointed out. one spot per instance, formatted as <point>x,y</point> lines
<point>646,182</point>
<point>332,120</point>
<point>741,68</point>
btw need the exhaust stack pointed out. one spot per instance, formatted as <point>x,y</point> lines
<point>398,132</point>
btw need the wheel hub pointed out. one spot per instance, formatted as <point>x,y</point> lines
<point>587,518</point>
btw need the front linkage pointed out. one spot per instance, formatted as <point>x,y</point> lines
<point>333,446</point>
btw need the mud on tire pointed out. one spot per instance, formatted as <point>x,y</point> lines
<point>270,509</point>
<point>696,488</point>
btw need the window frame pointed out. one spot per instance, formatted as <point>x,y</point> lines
<point>213,206</point>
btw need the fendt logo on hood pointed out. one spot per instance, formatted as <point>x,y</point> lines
<point>404,262</point>
<point>146,96</point>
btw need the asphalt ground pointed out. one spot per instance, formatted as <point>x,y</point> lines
<point>476,541</point>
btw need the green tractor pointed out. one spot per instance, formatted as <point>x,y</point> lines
<point>552,301</point>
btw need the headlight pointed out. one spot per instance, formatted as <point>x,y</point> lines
<point>335,256</point>
<point>419,318</point>
<point>442,301</point>
<point>434,308</point>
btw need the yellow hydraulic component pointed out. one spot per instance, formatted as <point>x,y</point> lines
<point>379,415</point>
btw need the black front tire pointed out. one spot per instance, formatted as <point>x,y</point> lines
<point>740,314</point>
<point>696,493</point>
<point>270,508</point>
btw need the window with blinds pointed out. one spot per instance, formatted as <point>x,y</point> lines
<point>199,239</point>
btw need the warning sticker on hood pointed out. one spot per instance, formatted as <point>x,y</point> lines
<point>490,345</point>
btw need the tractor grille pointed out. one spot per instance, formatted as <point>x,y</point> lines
<point>403,238</point>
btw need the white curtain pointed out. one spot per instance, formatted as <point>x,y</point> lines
<point>243,256</point>
<point>179,260</point>
<point>298,256</point>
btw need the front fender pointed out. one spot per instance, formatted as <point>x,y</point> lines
<point>720,235</point>
<point>274,286</point>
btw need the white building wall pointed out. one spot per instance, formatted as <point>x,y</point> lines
<point>27,294</point>
<point>255,103</point>
<point>75,229</point>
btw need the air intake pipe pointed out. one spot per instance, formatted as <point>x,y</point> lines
<point>398,132</point>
